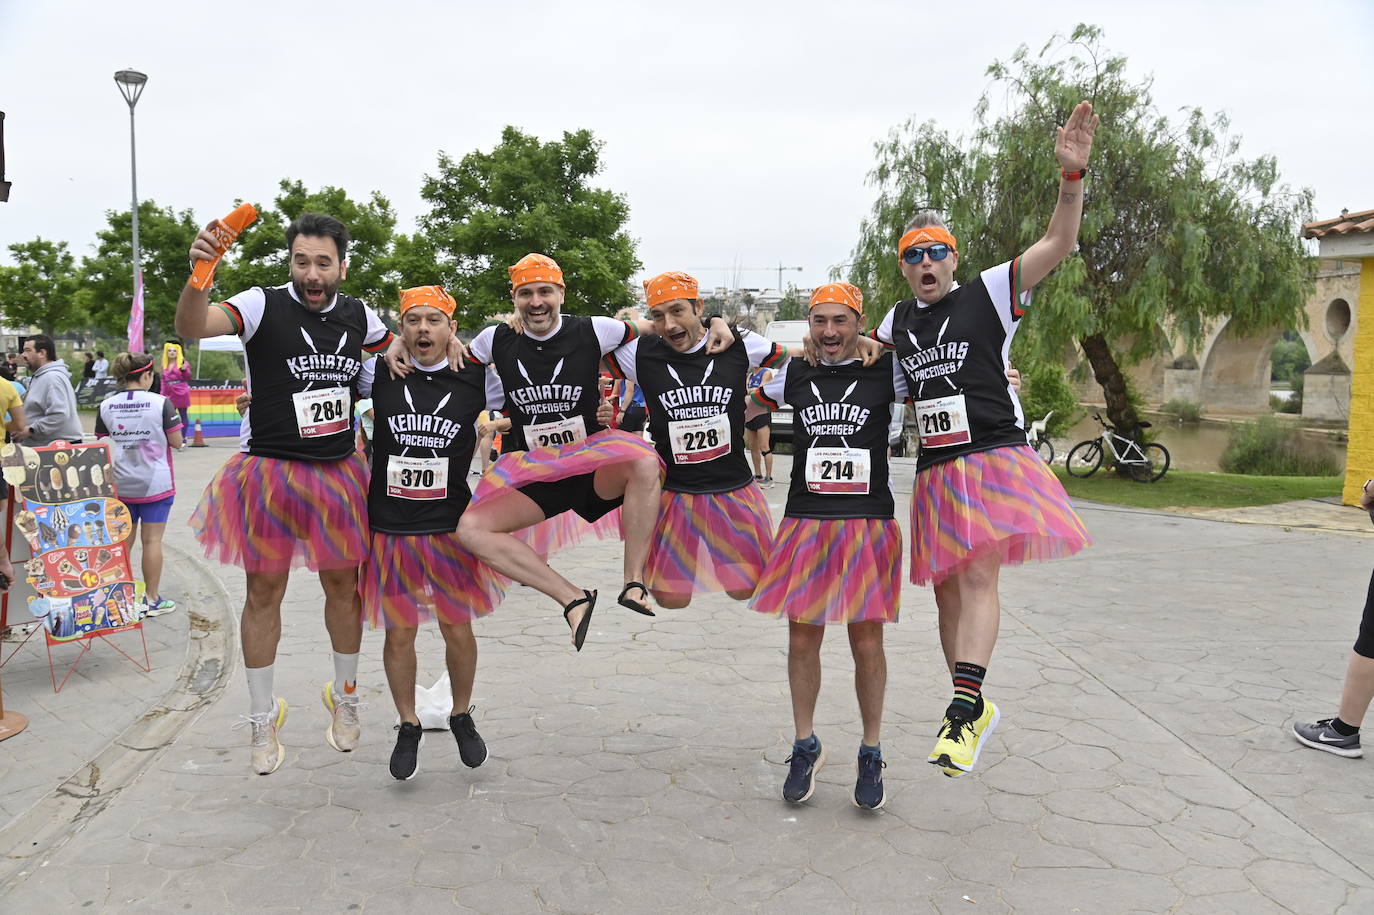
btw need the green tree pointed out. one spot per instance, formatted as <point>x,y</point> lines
<point>41,288</point>
<point>1290,358</point>
<point>489,209</point>
<point>107,282</point>
<point>1177,228</point>
<point>259,256</point>
<point>791,308</point>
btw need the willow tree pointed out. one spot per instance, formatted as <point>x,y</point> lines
<point>1178,227</point>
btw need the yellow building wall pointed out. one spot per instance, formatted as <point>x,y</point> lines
<point>1359,461</point>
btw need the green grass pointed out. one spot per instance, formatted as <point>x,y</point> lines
<point>1182,489</point>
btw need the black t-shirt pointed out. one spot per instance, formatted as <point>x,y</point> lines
<point>422,439</point>
<point>696,406</point>
<point>839,436</point>
<point>552,385</point>
<point>302,369</point>
<point>954,356</point>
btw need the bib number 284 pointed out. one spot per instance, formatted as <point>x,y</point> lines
<point>321,412</point>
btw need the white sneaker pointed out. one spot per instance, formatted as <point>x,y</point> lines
<point>344,727</point>
<point>267,749</point>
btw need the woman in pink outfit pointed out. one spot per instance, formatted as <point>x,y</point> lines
<point>176,380</point>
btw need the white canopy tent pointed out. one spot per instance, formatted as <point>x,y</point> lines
<point>226,343</point>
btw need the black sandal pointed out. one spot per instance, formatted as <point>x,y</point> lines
<point>635,605</point>
<point>580,635</point>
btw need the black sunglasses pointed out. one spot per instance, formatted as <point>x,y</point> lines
<point>937,252</point>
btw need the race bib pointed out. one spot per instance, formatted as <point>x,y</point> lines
<point>832,471</point>
<point>417,478</point>
<point>943,422</point>
<point>697,440</point>
<point>321,412</point>
<point>553,434</point>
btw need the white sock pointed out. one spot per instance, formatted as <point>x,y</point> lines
<point>260,690</point>
<point>345,674</point>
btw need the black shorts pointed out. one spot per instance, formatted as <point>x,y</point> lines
<point>572,494</point>
<point>762,421</point>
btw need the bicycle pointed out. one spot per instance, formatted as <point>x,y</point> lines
<point>1147,463</point>
<point>1038,440</point>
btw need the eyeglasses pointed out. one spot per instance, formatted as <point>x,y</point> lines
<point>937,252</point>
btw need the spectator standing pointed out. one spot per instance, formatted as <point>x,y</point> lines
<point>101,365</point>
<point>176,383</point>
<point>50,403</point>
<point>87,370</point>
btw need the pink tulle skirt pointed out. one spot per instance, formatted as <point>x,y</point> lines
<point>408,580</point>
<point>709,542</point>
<point>846,570</point>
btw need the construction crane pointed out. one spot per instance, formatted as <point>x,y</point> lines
<point>729,270</point>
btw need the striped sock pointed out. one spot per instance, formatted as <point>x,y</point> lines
<point>968,691</point>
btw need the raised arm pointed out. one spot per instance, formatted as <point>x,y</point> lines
<point>195,318</point>
<point>1073,146</point>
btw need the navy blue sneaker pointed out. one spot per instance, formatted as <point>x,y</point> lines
<point>801,777</point>
<point>868,790</point>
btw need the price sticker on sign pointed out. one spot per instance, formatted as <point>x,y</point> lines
<point>942,422</point>
<point>556,433</point>
<point>837,471</point>
<point>322,412</point>
<point>419,479</point>
<point>697,440</point>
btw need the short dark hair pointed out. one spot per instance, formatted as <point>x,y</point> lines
<point>319,226</point>
<point>42,343</point>
<point>100,354</point>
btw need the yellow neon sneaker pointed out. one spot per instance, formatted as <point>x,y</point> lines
<point>344,727</point>
<point>960,741</point>
<point>267,749</point>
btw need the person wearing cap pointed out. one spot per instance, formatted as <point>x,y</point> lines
<point>417,569</point>
<point>296,492</point>
<point>558,458</point>
<point>837,556</point>
<point>714,526</point>
<point>981,498</point>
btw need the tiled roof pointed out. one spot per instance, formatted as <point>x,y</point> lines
<point>1343,224</point>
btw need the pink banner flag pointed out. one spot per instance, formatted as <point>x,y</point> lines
<point>136,317</point>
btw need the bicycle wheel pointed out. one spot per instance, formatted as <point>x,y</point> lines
<point>1045,448</point>
<point>1155,466</point>
<point>1084,458</point>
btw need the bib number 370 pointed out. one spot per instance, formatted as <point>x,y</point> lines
<point>837,471</point>
<point>419,479</point>
<point>321,412</point>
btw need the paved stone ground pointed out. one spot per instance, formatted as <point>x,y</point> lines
<point>1144,762</point>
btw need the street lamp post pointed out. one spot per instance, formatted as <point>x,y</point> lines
<point>131,84</point>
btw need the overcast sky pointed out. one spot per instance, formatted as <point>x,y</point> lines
<point>740,132</point>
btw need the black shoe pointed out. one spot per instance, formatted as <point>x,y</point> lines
<point>472,749</point>
<point>638,605</point>
<point>580,633</point>
<point>405,761</point>
<point>801,777</point>
<point>868,790</point>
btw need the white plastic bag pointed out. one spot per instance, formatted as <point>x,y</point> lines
<point>433,706</point>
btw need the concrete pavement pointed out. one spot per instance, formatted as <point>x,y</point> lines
<point>1143,763</point>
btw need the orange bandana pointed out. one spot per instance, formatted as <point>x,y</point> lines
<point>433,296</point>
<point>535,268</point>
<point>926,234</point>
<point>668,286</point>
<point>839,294</point>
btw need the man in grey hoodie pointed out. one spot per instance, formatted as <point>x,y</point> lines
<point>50,402</point>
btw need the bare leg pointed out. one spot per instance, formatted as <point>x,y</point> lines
<point>804,674</point>
<point>398,658</point>
<point>460,653</point>
<point>343,610</point>
<point>870,675</point>
<point>639,482</point>
<point>970,611</point>
<point>751,439</point>
<point>765,446</point>
<point>671,601</point>
<point>485,531</point>
<point>1358,689</point>
<point>152,558</point>
<point>741,594</point>
<point>260,625</point>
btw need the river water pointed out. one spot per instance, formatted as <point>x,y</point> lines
<point>1192,446</point>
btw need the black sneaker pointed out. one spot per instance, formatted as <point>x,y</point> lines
<point>801,777</point>
<point>472,749</point>
<point>1320,735</point>
<point>405,762</point>
<point>868,790</point>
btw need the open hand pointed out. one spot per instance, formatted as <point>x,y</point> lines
<point>1074,141</point>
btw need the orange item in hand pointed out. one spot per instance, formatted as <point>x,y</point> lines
<point>225,231</point>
